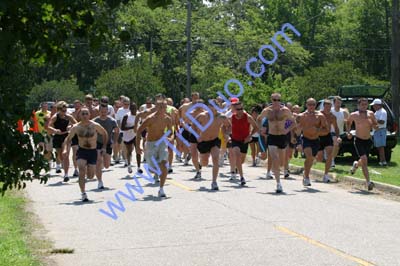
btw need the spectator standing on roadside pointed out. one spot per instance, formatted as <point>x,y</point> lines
<point>380,133</point>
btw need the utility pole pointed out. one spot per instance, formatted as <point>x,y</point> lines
<point>188,49</point>
<point>395,60</point>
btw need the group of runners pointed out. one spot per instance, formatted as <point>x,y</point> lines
<point>97,132</point>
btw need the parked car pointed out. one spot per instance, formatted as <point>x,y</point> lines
<point>350,95</point>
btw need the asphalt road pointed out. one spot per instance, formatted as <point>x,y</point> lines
<point>252,225</point>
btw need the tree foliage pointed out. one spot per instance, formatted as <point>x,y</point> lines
<point>66,90</point>
<point>133,80</point>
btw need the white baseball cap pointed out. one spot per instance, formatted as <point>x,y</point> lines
<point>376,101</point>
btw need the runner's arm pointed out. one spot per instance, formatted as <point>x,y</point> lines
<point>50,127</point>
<point>253,124</point>
<point>100,130</point>
<point>123,123</point>
<point>68,139</point>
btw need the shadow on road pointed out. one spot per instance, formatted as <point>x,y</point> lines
<point>101,190</point>
<point>205,189</point>
<point>58,184</point>
<point>276,194</point>
<point>79,202</point>
<point>310,190</point>
<point>152,198</point>
<point>363,192</point>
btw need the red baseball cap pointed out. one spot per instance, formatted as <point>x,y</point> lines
<point>234,100</point>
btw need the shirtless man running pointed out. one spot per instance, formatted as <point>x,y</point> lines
<point>155,125</point>
<point>209,143</point>
<point>326,138</point>
<point>277,116</point>
<point>311,122</point>
<point>87,152</point>
<point>365,121</point>
<point>192,151</point>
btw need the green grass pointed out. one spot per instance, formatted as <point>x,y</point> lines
<point>16,241</point>
<point>389,175</point>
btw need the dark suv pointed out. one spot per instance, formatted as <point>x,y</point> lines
<point>350,95</point>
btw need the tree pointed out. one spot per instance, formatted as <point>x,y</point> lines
<point>134,80</point>
<point>65,90</point>
<point>34,33</point>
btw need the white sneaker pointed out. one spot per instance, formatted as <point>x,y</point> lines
<point>354,168</point>
<point>130,169</point>
<point>233,176</point>
<point>286,174</point>
<point>306,182</point>
<point>326,179</point>
<point>58,168</point>
<point>269,176</point>
<point>161,193</point>
<point>84,197</point>
<point>279,188</point>
<point>100,185</point>
<point>383,163</point>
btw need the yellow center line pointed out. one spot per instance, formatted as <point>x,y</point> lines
<point>172,182</point>
<point>326,247</point>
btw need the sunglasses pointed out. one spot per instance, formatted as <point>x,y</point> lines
<point>276,100</point>
<point>239,109</point>
<point>84,113</point>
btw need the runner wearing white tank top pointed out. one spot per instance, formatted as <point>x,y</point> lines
<point>129,135</point>
<point>341,118</point>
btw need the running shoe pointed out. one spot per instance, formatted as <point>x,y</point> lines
<point>269,176</point>
<point>254,164</point>
<point>100,185</point>
<point>170,171</point>
<point>326,179</point>
<point>296,153</point>
<point>178,158</point>
<point>66,178</point>
<point>156,178</point>
<point>140,171</point>
<point>242,181</point>
<point>279,188</point>
<point>214,186</point>
<point>286,174</point>
<point>130,169</point>
<point>84,197</point>
<point>354,168</point>
<point>306,182</point>
<point>161,193</point>
<point>58,169</point>
<point>383,163</point>
<point>233,176</point>
<point>76,173</point>
<point>197,176</point>
<point>371,186</point>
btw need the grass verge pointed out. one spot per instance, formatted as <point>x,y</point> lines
<point>389,175</point>
<point>18,246</point>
